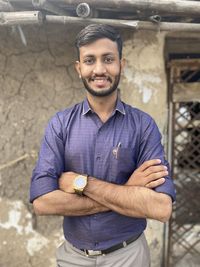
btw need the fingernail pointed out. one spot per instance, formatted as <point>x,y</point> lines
<point>158,160</point>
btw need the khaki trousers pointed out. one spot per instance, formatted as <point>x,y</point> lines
<point>135,254</point>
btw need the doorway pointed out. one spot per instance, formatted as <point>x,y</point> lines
<point>183,231</point>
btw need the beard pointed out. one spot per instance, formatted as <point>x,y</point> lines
<point>103,92</point>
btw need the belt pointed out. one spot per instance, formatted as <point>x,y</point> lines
<point>89,252</point>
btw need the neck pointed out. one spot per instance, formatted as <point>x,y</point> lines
<point>103,106</point>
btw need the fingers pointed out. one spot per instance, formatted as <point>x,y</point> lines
<point>155,176</point>
<point>148,164</point>
<point>155,183</point>
<point>155,169</point>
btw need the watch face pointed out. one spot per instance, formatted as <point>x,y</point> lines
<point>80,182</point>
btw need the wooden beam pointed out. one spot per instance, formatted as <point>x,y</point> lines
<point>186,92</point>
<point>131,24</point>
<point>20,18</point>
<point>182,45</point>
<point>179,7</point>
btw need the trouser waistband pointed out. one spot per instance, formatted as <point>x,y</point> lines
<point>90,252</point>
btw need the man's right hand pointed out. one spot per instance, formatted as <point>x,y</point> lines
<point>150,174</point>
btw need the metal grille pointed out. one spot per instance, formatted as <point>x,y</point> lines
<point>184,227</point>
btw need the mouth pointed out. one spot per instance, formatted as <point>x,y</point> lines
<point>100,81</point>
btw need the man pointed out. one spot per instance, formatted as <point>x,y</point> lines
<point>102,165</point>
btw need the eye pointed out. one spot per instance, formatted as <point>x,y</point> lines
<point>88,61</point>
<point>108,59</point>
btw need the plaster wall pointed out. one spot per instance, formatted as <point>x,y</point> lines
<point>144,86</point>
<point>36,81</point>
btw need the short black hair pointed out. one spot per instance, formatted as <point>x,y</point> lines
<point>94,32</point>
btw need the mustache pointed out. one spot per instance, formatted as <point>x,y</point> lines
<point>99,77</point>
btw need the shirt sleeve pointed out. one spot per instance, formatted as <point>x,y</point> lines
<point>50,164</point>
<point>151,148</point>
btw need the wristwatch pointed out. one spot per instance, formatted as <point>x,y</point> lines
<point>80,183</point>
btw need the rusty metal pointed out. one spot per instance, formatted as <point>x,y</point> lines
<point>184,227</point>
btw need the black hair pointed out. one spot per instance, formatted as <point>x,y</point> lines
<point>94,32</point>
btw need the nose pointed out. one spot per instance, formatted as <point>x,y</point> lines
<point>99,68</point>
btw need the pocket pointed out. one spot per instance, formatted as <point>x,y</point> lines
<point>122,164</point>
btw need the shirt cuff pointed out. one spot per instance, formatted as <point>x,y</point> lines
<point>167,188</point>
<point>42,186</point>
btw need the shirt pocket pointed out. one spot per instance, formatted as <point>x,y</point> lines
<point>122,164</point>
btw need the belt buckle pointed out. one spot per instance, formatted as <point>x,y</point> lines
<point>90,252</point>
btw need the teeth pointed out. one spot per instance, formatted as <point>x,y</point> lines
<point>99,78</point>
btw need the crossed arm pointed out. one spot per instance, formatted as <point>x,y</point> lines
<point>136,198</point>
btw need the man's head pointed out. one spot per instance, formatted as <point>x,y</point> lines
<point>100,59</point>
<point>94,32</point>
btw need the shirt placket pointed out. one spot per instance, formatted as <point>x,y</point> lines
<point>99,149</point>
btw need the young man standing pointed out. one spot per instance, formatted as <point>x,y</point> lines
<point>102,165</point>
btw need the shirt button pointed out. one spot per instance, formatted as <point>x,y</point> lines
<point>98,158</point>
<point>96,243</point>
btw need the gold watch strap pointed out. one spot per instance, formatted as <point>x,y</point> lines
<point>79,192</point>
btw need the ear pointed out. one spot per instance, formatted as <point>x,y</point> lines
<point>77,67</point>
<point>123,63</point>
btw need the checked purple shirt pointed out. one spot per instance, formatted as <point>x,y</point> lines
<point>76,140</point>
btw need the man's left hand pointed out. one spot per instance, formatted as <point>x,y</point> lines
<point>66,182</point>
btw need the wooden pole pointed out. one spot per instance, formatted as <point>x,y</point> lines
<point>131,24</point>
<point>20,18</point>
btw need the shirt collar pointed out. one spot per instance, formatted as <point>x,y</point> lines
<point>119,107</point>
<point>86,107</point>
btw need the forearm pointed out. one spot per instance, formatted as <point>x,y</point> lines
<point>61,203</point>
<point>133,201</point>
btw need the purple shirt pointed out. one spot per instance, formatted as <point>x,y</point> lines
<point>76,140</point>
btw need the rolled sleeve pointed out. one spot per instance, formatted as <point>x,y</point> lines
<point>41,186</point>
<point>151,148</point>
<point>50,164</point>
<point>167,188</point>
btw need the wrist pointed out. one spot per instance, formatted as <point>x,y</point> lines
<point>90,180</point>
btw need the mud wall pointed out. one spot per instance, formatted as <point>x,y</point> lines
<point>36,81</point>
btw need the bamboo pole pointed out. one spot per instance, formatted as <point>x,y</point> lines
<point>20,18</point>
<point>131,24</point>
<point>35,17</point>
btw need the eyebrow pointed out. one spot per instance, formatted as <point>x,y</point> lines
<point>104,55</point>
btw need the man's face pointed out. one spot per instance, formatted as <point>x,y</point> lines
<point>100,67</point>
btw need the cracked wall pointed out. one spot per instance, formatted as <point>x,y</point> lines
<point>35,82</point>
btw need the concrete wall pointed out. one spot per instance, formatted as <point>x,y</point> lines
<point>36,81</point>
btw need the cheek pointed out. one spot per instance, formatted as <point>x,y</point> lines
<point>86,72</point>
<point>113,69</point>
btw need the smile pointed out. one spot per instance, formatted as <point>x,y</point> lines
<point>100,79</point>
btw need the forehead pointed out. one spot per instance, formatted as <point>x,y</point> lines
<point>99,47</point>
